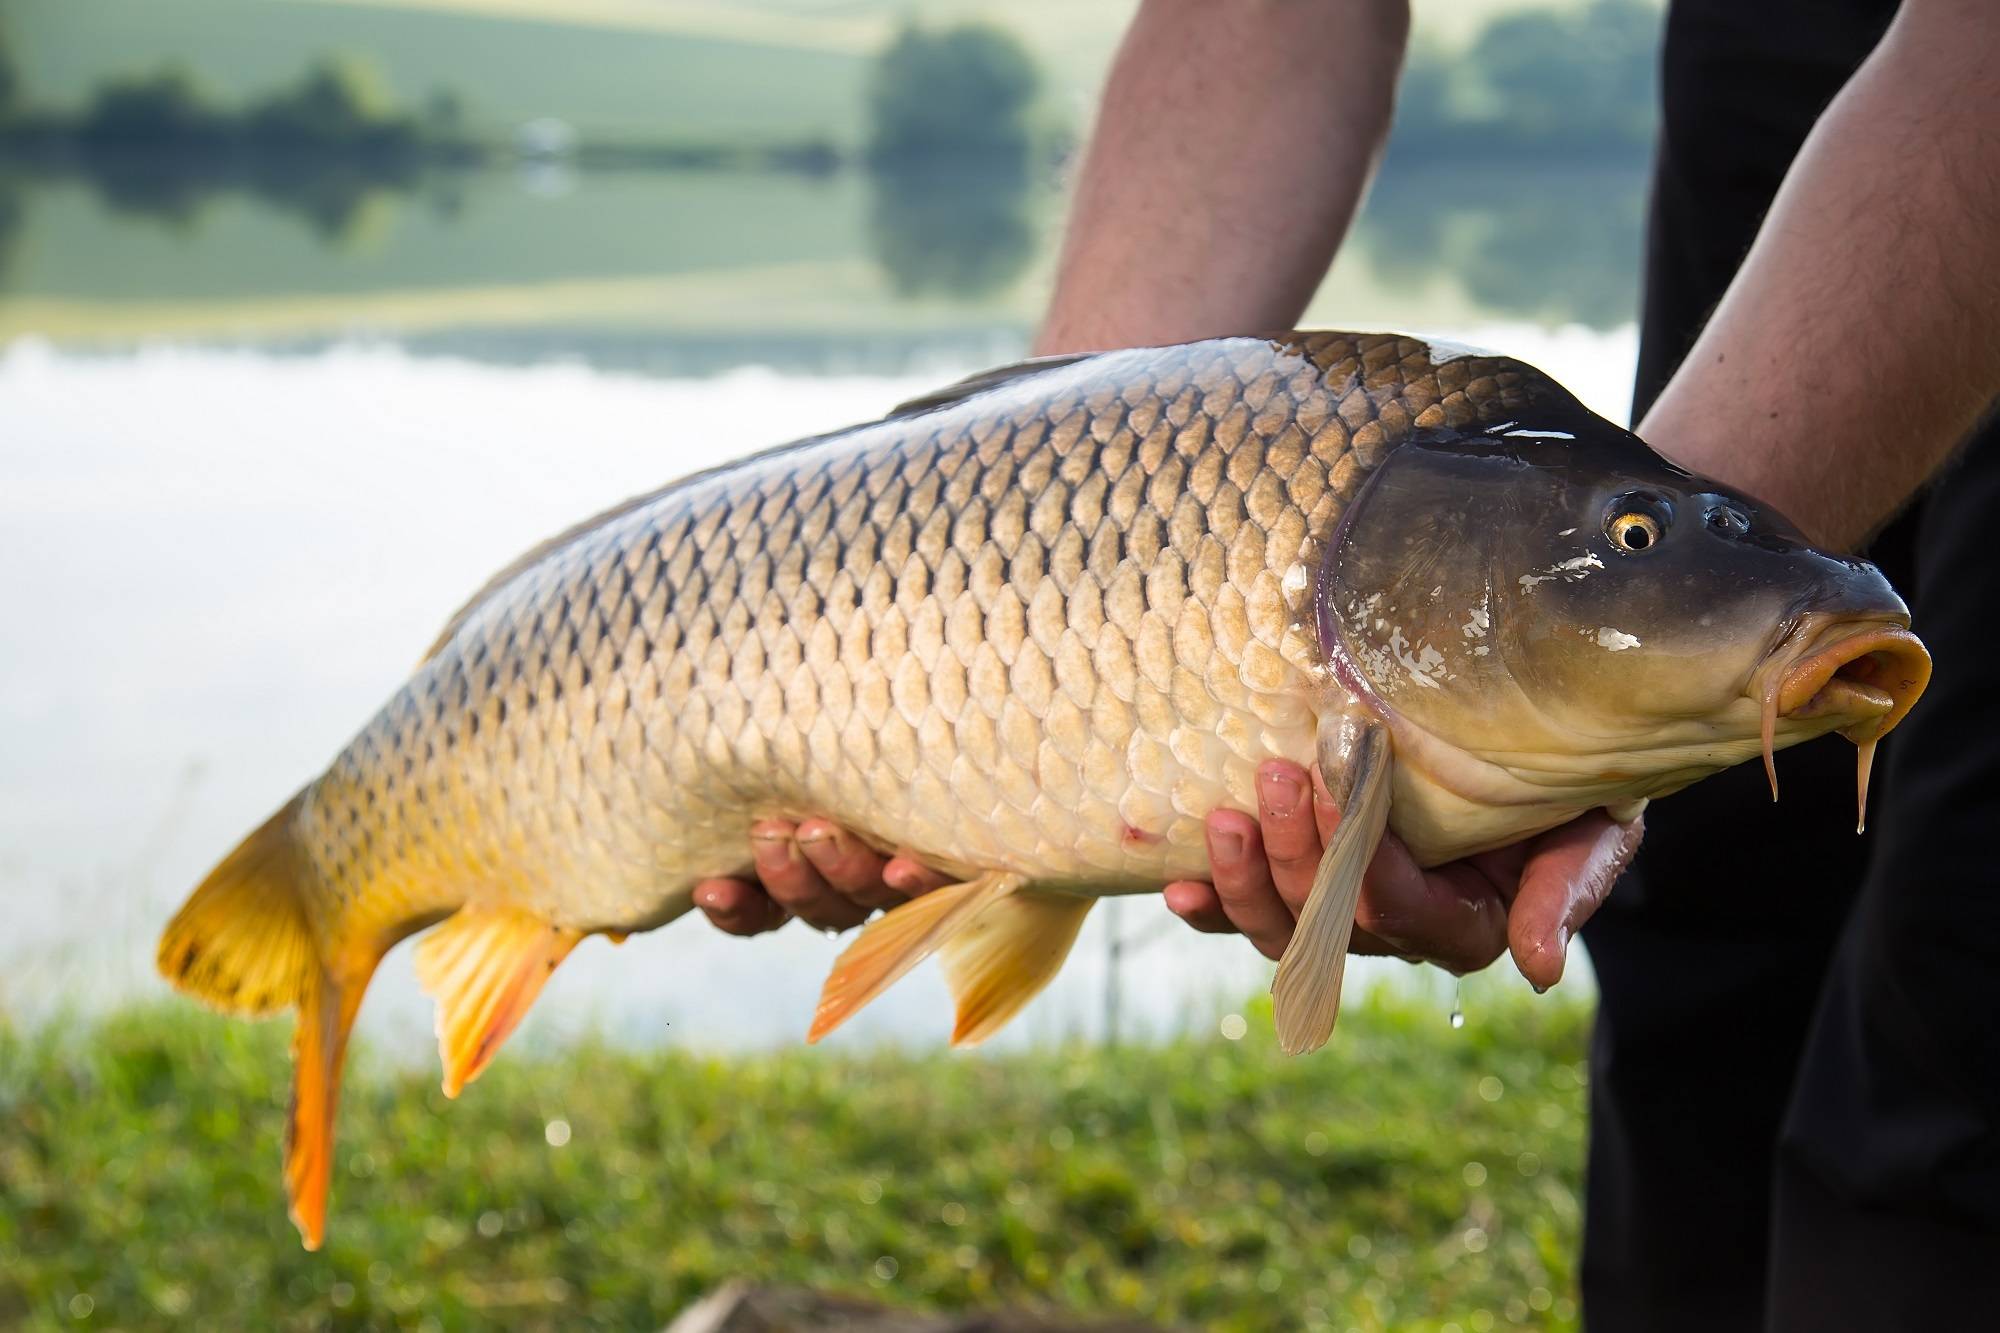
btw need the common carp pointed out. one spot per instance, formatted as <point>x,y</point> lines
<point>1033,628</point>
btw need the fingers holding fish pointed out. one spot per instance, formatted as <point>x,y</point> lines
<point>738,907</point>
<point>1452,915</point>
<point>796,883</point>
<point>1290,808</point>
<point>911,877</point>
<point>850,867</point>
<point>1199,905</point>
<point>1568,873</point>
<point>1245,868</point>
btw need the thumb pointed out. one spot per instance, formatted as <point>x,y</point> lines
<point>1569,871</point>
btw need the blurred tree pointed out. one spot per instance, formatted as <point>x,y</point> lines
<point>10,229</point>
<point>960,92</point>
<point>164,106</point>
<point>1559,246</point>
<point>342,102</point>
<point>950,140</point>
<point>1549,83</point>
<point>1577,79</point>
<point>961,231</point>
<point>10,83</point>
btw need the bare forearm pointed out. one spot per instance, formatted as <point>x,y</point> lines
<point>1861,339</point>
<point>1233,144</point>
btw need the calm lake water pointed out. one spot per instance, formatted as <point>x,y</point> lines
<point>252,453</point>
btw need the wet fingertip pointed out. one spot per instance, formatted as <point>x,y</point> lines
<point>1226,845</point>
<point>901,876</point>
<point>773,853</point>
<point>1279,790</point>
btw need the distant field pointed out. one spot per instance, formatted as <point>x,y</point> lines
<point>1410,1177</point>
<point>687,69</point>
<point>754,69</point>
<point>611,81</point>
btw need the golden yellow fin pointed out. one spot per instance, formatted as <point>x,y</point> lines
<point>484,966</point>
<point>319,1050</point>
<point>241,942</point>
<point>1003,957</point>
<point>897,941</point>
<point>245,944</point>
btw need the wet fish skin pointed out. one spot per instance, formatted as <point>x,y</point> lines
<point>1045,629</point>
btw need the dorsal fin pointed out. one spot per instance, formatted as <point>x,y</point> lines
<point>960,390</point>
<point>528,557</point>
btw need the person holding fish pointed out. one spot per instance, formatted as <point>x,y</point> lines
<point>1050,634</point>
<point>1796,1092</point>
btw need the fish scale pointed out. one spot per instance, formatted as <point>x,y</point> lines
<point>1045,629</point>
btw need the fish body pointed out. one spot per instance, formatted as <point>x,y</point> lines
<point>1044,628</point>
<point>1033,629</point>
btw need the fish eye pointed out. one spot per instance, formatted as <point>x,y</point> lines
<point>1636,523</point>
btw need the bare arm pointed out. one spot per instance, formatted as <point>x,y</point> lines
<point>1231,149</point>
<point>1860,341</point>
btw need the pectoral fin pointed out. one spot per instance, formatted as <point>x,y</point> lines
<point>1306,992</point>
<point>484,967</point>
<point>1001,958</point>
<point>892,944</point>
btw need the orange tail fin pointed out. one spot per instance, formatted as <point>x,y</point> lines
<point>244,944</point>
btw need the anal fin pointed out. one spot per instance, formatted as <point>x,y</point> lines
<point>890,945</point>
<point>484,966</point>
<point>1003,957</point>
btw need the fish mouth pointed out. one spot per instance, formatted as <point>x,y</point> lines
<point>1867,676</point>
<point>1873,675</point>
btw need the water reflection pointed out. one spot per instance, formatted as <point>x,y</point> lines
<point>1554,244</point>
<point>274,251</point>
<point>963,234</point>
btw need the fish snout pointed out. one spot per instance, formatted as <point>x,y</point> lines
<point>1871,673</point>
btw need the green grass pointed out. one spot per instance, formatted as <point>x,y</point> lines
<point>1410,1177</point>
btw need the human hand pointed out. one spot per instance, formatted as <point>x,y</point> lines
<point>1529,898</point>
<point>815,871</point>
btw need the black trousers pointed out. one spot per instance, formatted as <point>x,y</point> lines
<point>1795,1104</point>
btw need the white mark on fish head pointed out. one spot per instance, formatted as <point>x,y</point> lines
<point>1425,666</point>
<point>1617,640</point>
<point>1478,621</point>
<point>1570,570</point>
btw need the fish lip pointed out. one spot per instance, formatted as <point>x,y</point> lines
<point>1871,672</point>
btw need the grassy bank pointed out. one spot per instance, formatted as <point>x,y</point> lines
<point>1411,1177</point>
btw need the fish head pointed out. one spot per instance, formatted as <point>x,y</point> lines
<point>1561,609</point>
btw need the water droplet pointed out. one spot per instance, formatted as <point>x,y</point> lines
<point>1457,1018</point>
<point>831,933</point>
<point>1457,1006</point>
